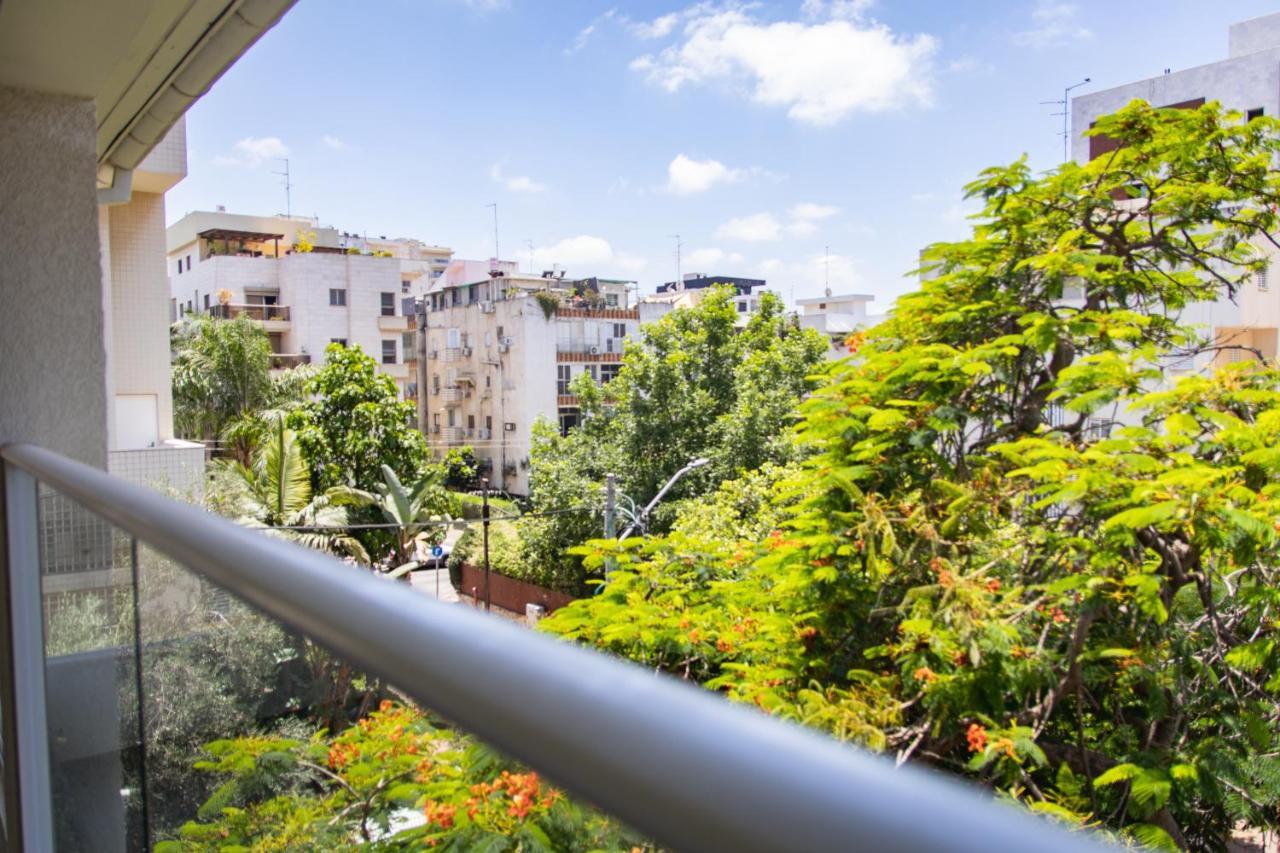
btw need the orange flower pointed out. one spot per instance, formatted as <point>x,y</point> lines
<point>385,705</point>
<point>1007,745</point>
<point>977,738</point>
<point>808,632</point>
<point>945,579</point>
<point>723,645</point>
<point>1058,616</point>
<point>695,636</point>
<point>925,674</point>
<point>440,813</point>
<point>993,585</point>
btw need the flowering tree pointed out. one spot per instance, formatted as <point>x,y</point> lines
<point>981,570</point>
<point>395,781</point>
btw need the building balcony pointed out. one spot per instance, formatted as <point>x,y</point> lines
<point>454,435</point>
<point>567,400</point>
<point>274,318</point>
<point>394,323</point>
<point>569,311</point>
<point>607,350</point>
<point>455,353</point>
<point>286,360</point>
<point>453,396</point>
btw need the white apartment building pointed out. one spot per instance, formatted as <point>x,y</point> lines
<point>693,287</point>
<point>1248,80</point>
<point>500,352</point>
<point>346,289</point>
<point>140,443</point>
<point>836,316</point>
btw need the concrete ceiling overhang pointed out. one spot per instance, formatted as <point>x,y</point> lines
<point>142,62</point>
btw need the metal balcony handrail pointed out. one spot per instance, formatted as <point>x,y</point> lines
<point>678,763</point>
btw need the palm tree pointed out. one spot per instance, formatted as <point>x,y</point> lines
<point>412,508</point>
<point>275,492</point>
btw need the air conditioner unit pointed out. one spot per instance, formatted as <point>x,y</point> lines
<point>504,347</point>
<point>433,354</point>
<point>509,426</point>
<point>505,341</point>
<point>595,350</point>
<point>466,351</point>
<point>486,307</point>
<point>483,434</point>
<point>435,428</point>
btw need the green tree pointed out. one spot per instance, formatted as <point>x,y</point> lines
<point>354,423</point>
<point>412,507</point>
<point>221,373</point>
<point>276,492</point>
<point>976,569</point>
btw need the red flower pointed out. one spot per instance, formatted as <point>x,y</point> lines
<point>977,738</point>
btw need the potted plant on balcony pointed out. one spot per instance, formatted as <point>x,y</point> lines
<point>548,302</point>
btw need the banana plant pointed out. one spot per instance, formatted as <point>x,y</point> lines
<point>417,509</point>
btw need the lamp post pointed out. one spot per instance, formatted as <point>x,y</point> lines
<point>644,513</point>
<point>1065,103</point>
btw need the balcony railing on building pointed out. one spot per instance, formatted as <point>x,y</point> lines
<point>454,435</point>
<point>606,349</point>
<point>83,768</point>
<point>261,313</point>
<point>453,395</point>
<point>286,360</point>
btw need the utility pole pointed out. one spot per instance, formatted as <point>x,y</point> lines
<point>1065,103</point>
<point>484,514</point>
<point>610,516</point>
<point>497,255</point>
<point>288,187</point>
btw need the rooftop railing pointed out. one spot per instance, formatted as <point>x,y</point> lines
<point>685,767</point>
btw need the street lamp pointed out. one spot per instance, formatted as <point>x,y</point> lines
<point>643,517</point>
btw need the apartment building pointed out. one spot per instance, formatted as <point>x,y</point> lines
<point>343,288</point>
<point>837,316</point>
<point>694,286</point>
<point>1248,80</point>
<point>499,352</point>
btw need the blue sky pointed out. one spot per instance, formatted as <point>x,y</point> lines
<point>760,133</point>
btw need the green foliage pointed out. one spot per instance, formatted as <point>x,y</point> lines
<point>354,423</point>
<point>462,469</point>
<point>362,785</point>
<point>221,373</point>
<point>694,386</point>
<point>413,508</point>
<point>276,492</point>
<point>1080,616</point>
<point>549,303</point>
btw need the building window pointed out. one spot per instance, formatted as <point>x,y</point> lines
<point>206,302</point>
<point>337,296</point>
<point>611,300</point>
<point>188,263</point>
<point>389,352</point>
<point>742,307</point>
<point>388,305</point>
<point>471,421</point>
<point>179,266</point>
<point>609,371</point>
<point>1254,113</point>
<point>1262,280</point>
<point>409,341</point>
<point>594,371</point>
<point>405,285</point>
<point>488,423</point>
<point>342,342</point>
<point>456,298</point>
<point>562,378</point>
<point>569,419</point>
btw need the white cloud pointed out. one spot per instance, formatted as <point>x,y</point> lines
<point>1053,24</point>
<point>821,72</point>
<point>686,176</point>
<point>810,274</point>
<point>757,228</point>
<point>658,28</point>
<point>704,259</point>
<point>848,9</point>
<point>253,151</point>
<point>486,5</point>
<point>515,183</point>
<point>808,211</point>
<point>586,254</point>
<point>333,142</point>
<point>580,40</point>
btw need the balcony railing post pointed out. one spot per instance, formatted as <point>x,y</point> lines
<point>25,731</point>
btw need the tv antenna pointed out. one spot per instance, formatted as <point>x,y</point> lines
<point>826,270</point>
<point>528,242</point>
<point>679,275</point>
<point>288,187</point>
<point>497,256</point>
<point>1065,104</point>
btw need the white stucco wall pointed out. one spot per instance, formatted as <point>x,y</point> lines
<point>52,352</point>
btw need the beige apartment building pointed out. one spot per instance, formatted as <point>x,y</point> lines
<point>500,352</point>
<point>1248,80</point>
<point>345,289</point>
